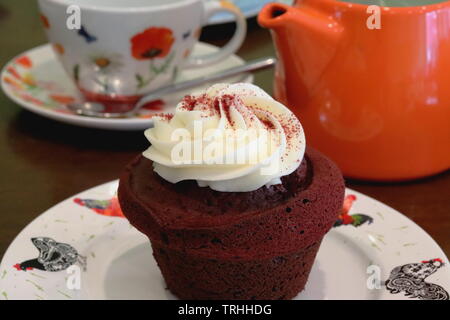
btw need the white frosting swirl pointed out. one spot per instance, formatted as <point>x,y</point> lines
<point>235,138</point>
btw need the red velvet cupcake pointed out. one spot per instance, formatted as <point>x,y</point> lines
<point>232,230</point>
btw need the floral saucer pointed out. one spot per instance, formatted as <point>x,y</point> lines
<point>37,81</point>
<point>83,248</point>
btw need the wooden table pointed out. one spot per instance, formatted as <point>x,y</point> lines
<point>43,162</point>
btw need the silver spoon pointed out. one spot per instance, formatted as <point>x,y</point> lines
<point>96,109</point>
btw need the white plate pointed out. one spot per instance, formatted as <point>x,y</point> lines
<point>37,81</point>
<point>120,263</point>
<point>249,8</point>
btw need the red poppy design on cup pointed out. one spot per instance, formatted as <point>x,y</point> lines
<point>24,61</point>
<point>152,43</point>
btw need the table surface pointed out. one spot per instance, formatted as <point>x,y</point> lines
<point>44,162</point>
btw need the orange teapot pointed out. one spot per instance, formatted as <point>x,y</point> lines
<point>374,98</point>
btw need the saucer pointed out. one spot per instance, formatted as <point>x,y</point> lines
<point>249,9</point>
<point>372,252</point>
<point>37,81</point>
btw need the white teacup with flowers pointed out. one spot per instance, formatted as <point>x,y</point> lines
<point>122,49</point>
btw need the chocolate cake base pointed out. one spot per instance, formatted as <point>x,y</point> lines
<point>248,245</point>
<point>273,278</point>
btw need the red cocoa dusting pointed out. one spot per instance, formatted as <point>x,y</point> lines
<point>188,103</point>
<point>216,105</point>
<point>202,102</point>
<point>227,101</point>
<point>165,116</point>
<point>211,105</point>
<point>168,116</point>
<point>290,125</point>
<point>268,124</point>
<point>291,128</point>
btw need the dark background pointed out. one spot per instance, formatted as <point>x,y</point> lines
<point>43,162</point>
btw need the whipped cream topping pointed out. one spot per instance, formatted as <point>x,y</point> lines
<point>231,138</point>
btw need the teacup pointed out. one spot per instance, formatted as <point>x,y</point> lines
<point>116,51</point>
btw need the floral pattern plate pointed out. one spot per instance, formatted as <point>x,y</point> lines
<point>372,252</point>
<point>37,81</point>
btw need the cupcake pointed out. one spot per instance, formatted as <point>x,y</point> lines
<point>233,202</point>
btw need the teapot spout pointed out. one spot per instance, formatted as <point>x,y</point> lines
<point>306,40</point>
<point>272,15</point>
<point>277,16</point>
